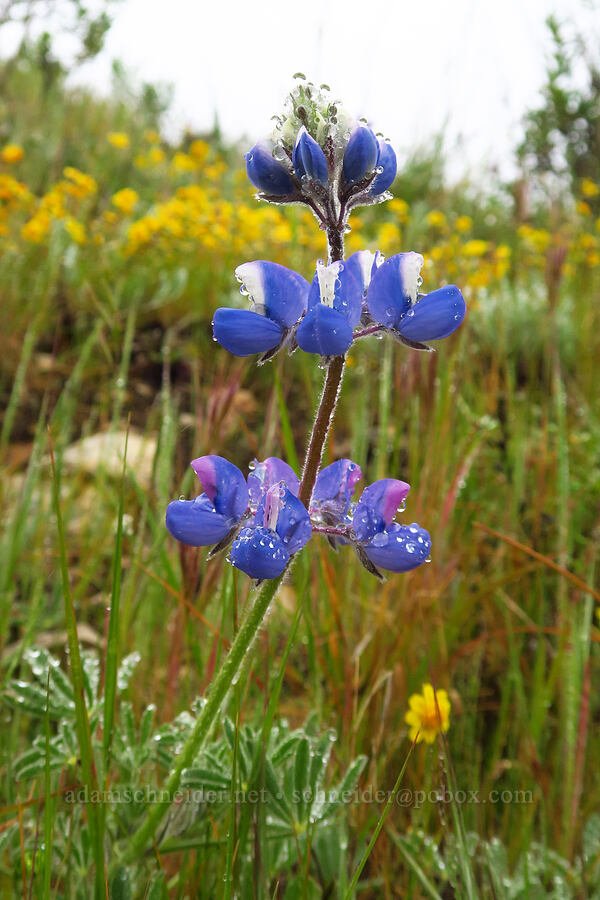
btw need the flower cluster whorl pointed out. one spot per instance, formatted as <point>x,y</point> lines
<point>264,523</point>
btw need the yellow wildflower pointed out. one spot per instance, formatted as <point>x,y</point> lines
<point>181,162</point>
<point>199,150</point>
<point>583,208</point>
<point>75,230</point>
<point>125,200</point>
<point>474,248</point>
<point>12,153</point>
<point>152,137</point>
<point>428,714</point>
<point>119,139</point>
<point>593,259</point>
<point>156,156</point>
<point>436,219</point>
<point>503,251</point>
<point>399,208</point>
<point>36,229</point>
<point>589,188</point>
<point>463,224</point>
<point>85,183</point>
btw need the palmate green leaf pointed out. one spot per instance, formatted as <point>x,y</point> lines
<point>32,763</point>
<point>286,749</point>
<point>201,779</point>
<point>339,796</point>
<point>301,778</point>
<point>31,697</point>
<point>146,724</point>
<point>277,799</point>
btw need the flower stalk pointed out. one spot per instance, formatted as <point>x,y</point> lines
<point>228,673</point>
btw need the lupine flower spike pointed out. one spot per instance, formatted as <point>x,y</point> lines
<point>318,155</point>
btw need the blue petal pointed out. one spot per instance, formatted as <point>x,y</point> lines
<point>243,332</point>
<point>308,158</point>
<point>276,291</point>
<point>435,315</point>
<point>267,473</point>
<point>348,291</point>
<point>377,507</point>
<point>400,548</point>
<point>360,156</point>
<point>325,331</point>
<point>259,553</point>
<point>224,485</point>
<point>281,511</point>
<point>195,522</point>
<point>394,287</point>
<point>334,488</point>
<point>268,174</point>
<point>387,161</point>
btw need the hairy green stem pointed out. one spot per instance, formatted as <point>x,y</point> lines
<point>320,431</point>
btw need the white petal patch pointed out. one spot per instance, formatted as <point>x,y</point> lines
<point>328,276</point>
<point>251,277</point>
<point>410,270</point>
<point>365,260</point>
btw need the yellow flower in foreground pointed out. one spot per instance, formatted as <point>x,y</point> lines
<point>119,139</point>
<point>589,188</point>
<point>12,153</point>
<point>125,200</point>
<point>426,717</point>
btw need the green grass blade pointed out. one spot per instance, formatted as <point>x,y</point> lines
<point>380,823</point>
<point>112,642</point>
<point>86,750</point>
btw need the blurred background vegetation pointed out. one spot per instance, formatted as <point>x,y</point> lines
<point>116,246</point>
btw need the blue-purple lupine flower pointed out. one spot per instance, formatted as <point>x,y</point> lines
<point>279,529</point>
<point>308,158</point>
<point>389,166</point>
<point>261,515</point>
<point>211,516</point>
<point>334,309</point>
<point>395,303</point>
<point>268,174</point>
<point>322,316</point>
<point>361,155</point>
<point>333,491</point>
<point>264,475</point>
<point>279,298</point>
<point>388,545</point>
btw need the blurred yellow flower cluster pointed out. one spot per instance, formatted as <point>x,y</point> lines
<point>189,204</point>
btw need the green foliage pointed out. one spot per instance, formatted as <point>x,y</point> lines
<point>562,135</point>
<point>286,797</point>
